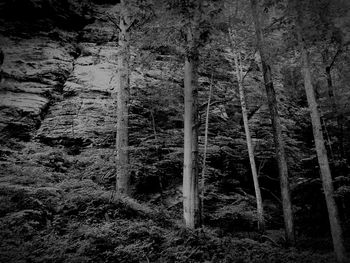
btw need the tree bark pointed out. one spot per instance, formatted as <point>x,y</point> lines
<point>123,86</point>
<point>159,155</point>
<point>206,146</point>
<point>330,87</point>
<point>337,234</point>
<point>277,131</point>
<point>191,202</point>
<point>259,205</point>
<point>2,56</point>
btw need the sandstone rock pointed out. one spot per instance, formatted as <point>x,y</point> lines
<point>87,114</point>
<point>100,32</point>
<point>25,102</point>
<point>32,71</point>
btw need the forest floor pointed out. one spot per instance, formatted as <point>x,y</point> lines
<point>50,212</point>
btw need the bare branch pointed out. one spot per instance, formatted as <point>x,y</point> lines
<point>112,19</point>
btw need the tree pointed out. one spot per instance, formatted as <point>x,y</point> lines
<point>240,80</point>
<point>321,151</point>
<point>1,61</point>
<point>277,129</point>
<point>330,39</point>
<point>191,202</point>
<point>206,131</point>
<point>133,14</point>
<point>123,90</point>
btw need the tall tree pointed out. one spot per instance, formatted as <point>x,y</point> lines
<point>331,42</point>
<point>123,90</point>
<point>206,131</point>
<point>331,94</point>
<point>277,129</point>
<point>239,76</point>
<point>337,234</point>
<point>191,202</point>
<point>1,61</point>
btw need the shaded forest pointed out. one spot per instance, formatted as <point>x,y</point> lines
<point>175,131</point>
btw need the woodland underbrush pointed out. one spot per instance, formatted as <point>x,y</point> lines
<point>51,211</point>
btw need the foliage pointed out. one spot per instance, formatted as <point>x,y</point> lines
<point>57,207</point>
<point>60,218</point>
<point>126,238</point>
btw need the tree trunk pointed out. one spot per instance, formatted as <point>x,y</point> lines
<point>206,146</point>
<point>321,153</point>
<point>259,205</point>
<point>159,155</point>
<point>330,87</point>
<point>277,131</point>
<point>2,56</point>
<point>191,200</point>
<point>123,85</point>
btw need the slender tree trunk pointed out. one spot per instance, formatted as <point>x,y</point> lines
<point>206,146</point>
<point>259,205</point>
<point>191,200</point>
<point>277,132</point>
<point>159,154</point>
<point>339,115</point>
<point>123,85</point>
<point>2,56</point>
<point>337,234</point>
<point>330,87</point>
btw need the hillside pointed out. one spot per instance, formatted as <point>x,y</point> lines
<point>58,117</point>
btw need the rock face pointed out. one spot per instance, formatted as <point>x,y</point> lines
<point>87,113</point>
<point>53,83</point>
<point>37,58</point>
<point>33,72</point>
<point>59,87</point>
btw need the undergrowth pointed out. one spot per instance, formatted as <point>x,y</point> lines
<point>51,212</point>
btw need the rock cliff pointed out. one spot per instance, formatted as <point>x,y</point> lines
<point>58,87</point>
<point>57,84</point>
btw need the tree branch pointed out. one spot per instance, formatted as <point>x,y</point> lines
<point>335,57</point>
<point>111,19</point>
